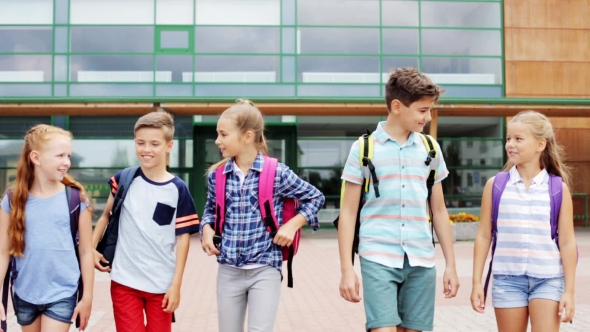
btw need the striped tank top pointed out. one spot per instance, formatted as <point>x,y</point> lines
<point>524,245</point>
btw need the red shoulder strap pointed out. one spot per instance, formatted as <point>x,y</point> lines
<point>266,185</point>
<point>220,180</point>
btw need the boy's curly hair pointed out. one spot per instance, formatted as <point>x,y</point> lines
<point>408,85</point>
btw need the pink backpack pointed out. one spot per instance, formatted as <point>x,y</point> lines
<point>265,200</point>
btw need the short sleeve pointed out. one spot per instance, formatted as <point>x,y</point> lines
<point>187,219</point>
<point>5,204</point>
<point>441,168</point>
<point>352,169</point>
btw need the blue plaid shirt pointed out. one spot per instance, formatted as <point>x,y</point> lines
<point>245,239</point>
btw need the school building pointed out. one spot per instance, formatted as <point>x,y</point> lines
<point>316,68</point>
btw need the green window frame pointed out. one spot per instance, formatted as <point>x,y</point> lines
<point>174,28</point>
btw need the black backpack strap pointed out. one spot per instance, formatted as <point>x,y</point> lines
<point>367,162</point>
<point>74,205</point>
<point>430,180</point>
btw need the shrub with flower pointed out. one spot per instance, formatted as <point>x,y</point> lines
<point>462,217</point>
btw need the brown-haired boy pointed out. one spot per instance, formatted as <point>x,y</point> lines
<point>158,213</point>
<point>396,247</point>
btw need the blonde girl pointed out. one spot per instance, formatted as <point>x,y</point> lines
<point>35,230</point>
<point>533,274</point>
<point>250,258</point>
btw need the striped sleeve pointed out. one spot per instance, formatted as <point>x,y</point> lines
<point>187,219</point>
<point>352,169</point>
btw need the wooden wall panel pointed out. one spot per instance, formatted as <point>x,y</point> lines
<point>556,79</point>
<point>547,45</point>
<point>568,14</point>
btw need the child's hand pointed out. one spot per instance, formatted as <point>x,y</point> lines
<point>100,258</point>
<point>83,309</point>
<point>207,241</point>
<point>350,287</point>
<point>285,235</point>
<point>171,299</point>
<point>567,303</point>
<point>477,298</point>
<point>450,283</point>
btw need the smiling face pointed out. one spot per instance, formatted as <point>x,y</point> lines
<point>521,145</point>
<point>52,159</point>
<point>230,139</point>
<point>416,116</point>
<point>151,147</point>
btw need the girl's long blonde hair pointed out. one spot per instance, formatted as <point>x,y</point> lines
<point>248,118</point>
<point>35,138</point>
<point>552,157</point>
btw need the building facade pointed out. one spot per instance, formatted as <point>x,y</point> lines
<point>315,68</point>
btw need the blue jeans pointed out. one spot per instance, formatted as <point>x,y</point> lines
<point>61,310</point>
<point>517,291</point>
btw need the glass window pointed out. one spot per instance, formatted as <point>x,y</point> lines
<point>25,90</point>
<point>461,14</point>
<point>111,90</point>
<point>399,13</point>
<point>174,39</point>
<point>476,91</point>
<point>288,69</point>
<point>111,12</point>
<point>25,68</point>
<point>16,127</point>
<point>326,90</point>
<point>26,39</point>
<point>461,42</point>
<point>61,39</point>
<point>390,64</point>
<point>238,12</point>
<point>288,40</point>
<point>338,12</point>
<point>112,39</point>
<point>457,183</point>
<point>60,70</point>
<point>237,40</point>
<point>323,153</point>
<point>60,90</point>
<point>235,68</point>
<point>463,70</point>
<point>288,12</point>
<point>26,12</point>
<point>176,65</point>
<point>115,68</point>
<point>61,11</point>
<point>326,180</point>
<point>338,40</point>
<point>174,12</point>
<point>343,69</point>
<point>400,41</point>
<point>462,153</point>
<point>245,90</point>
<point>174,90</point>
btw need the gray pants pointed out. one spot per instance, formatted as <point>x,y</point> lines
<point>258,289</point>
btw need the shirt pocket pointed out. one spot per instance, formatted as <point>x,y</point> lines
<point>163,214</point>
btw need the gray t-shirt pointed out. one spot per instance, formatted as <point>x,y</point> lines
<point>49,271</point>
<point>153,214</point>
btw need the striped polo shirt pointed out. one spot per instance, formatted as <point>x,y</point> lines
<point>396,223</point>
<point>524,245</point>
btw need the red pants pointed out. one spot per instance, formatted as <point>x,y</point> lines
<point>129,305</point>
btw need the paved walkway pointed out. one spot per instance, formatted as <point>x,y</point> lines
<point>315,304</point>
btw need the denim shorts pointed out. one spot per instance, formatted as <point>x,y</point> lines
<point>61,310</point>
<point>517,291</point>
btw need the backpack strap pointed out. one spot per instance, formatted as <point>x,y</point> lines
<point>500,182</point>
<point>266,187</point>
<point>11,274</point>
<point>220,182</point>
<point>73,197</point>
<point>432,153</point>
<point>556,196</point>
<point>366,149</point>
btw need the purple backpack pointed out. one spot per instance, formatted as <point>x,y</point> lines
<point>555,188</point>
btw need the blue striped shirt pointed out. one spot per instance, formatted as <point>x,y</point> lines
<point>397,222</point>
<point>245,239</point>
<point>524,245</point>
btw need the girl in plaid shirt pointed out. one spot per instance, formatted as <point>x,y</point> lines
<point>250,258</point>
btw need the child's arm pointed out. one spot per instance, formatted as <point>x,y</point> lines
<point>172,297</point>
<point>84,307</point>
<point>208,219</point>
<point>99,228</point>
<point>442,227</point>
<point>349,283</point>
<point>4,252</point>
<point>483,239</point>
<point>311,201</point>
<point>568,250</point>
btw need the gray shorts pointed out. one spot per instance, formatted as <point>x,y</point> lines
<point>398,297</point>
